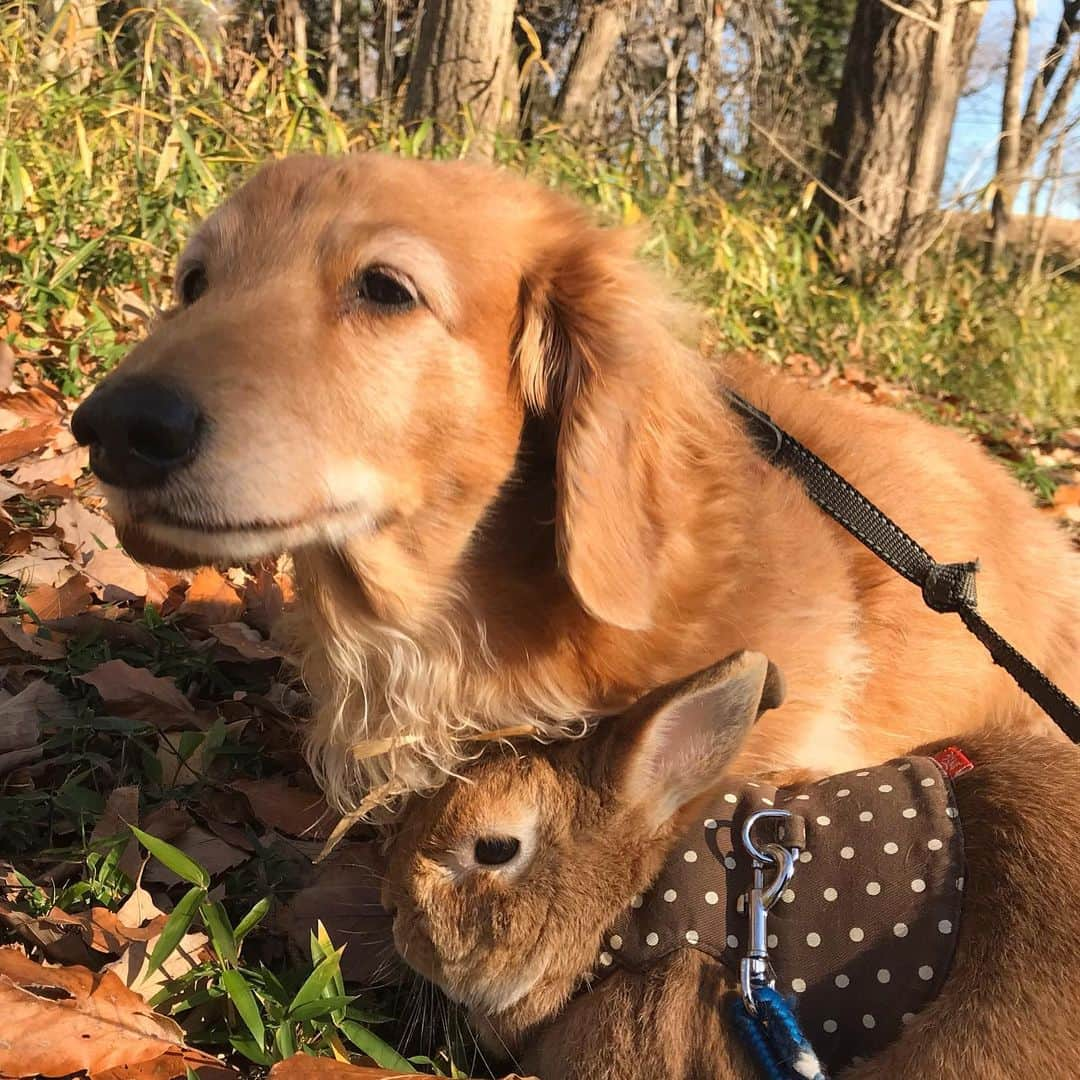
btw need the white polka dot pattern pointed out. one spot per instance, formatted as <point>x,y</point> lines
<point>865,926</point>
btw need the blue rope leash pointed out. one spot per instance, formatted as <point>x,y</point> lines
<point>774,1038</point>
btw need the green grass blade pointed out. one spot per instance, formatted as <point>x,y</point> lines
<point>251,920</point>
<point>173,858</point>
<point>381,1052</point>
<point>241,995</point>
<point>318,980</point>
<point>222,934</point>
<point>323,1006</point>
<point>176,926</point>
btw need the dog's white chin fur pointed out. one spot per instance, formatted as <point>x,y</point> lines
<point>239,545</point>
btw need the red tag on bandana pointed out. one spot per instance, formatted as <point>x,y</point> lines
<point>953,761</point>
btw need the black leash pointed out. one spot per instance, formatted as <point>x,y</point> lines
<point>946,587</point>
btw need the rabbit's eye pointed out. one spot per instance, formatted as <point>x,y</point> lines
<point>496,850</point>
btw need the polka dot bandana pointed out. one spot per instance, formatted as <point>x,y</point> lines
<point>863,935</point>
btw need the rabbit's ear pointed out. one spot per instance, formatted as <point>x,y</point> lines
<point>683,736</point>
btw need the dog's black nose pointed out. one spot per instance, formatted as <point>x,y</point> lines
<point>139,431</point>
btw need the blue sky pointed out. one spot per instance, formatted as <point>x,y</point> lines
<point>978,119</point>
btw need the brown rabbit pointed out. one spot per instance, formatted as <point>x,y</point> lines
<point>508,884</point>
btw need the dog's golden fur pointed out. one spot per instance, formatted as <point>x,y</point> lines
<point>524,501</point>
<point>514,942</point>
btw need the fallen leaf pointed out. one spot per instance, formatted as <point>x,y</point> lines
<point>71,1019</point>
<point>39,706</point>
<point>121,811</point>
<point>33,406</point>
<point>7,364</point>
<point>62,469</point>
<point>40,566</point>
<point>245,641</point>
<point>173,1065</point>
<point>72,598</point>
<point>94,625</point>
<point>116,576</point>
<point>209,851</point>
<point>104,931</point>
<point>210,599</point>
<point>59,944</point>
<point>8,490</point>
<point>136,693</point>
<point>22,441</point>
<point>32,643</point>
<point>267,595</point>
<point>290,809</point>
<point>182,766</point>
<point>83,531</point>
<point>304,1067</point>
<point>131,968</point>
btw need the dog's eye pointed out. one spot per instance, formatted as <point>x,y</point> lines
<point>496,850</point>
<point>192,285</point>
<point>379,288</point>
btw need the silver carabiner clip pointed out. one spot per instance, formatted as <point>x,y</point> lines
<point>755,968</point>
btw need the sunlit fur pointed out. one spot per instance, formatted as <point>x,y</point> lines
<point>518,952</point>
<point>526,501</point>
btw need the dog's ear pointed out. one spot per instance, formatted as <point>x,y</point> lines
<point>676,742</point>
<point>590,353</point>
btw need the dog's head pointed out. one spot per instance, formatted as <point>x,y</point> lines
<point>356,347</point>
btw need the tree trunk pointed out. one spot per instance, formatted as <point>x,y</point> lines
<point>965,35</point>
<point>296,22</point>
<point>871,142</point>
<point>581,87</point>
<point>333,49</point>
<point>1008,160</point>
<point>951,46</point>
<point>463,63</point>
<point>70,42</point>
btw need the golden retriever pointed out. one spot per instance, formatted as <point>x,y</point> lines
<point>514,494</point>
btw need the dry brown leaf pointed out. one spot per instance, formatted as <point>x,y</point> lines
<point>131,968</point>
<point>290,809</point>
<point>246,641</point>
<point>121,810</point>
<point>303,1067</point>
<point>210,599</point>
<point>7,364</point>
<point>59,944</point>
<point>33,406</point>
<point>138,694</point>
<point>23,716</point>
<point>22,441</point>
<point>173,1065</point>
<point>82,530</point>
<point>71,1019</point>
<point>24,639</point>
<point>61,469</point>
<point>209,851</point>
<point>116,576</point>
<point>104,932</point>
<point>187,768</point>
<point>42,565</point>
<point>267,595</point>
<point>72,598</point>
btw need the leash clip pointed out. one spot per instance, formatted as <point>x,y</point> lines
<point>755,968</point>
